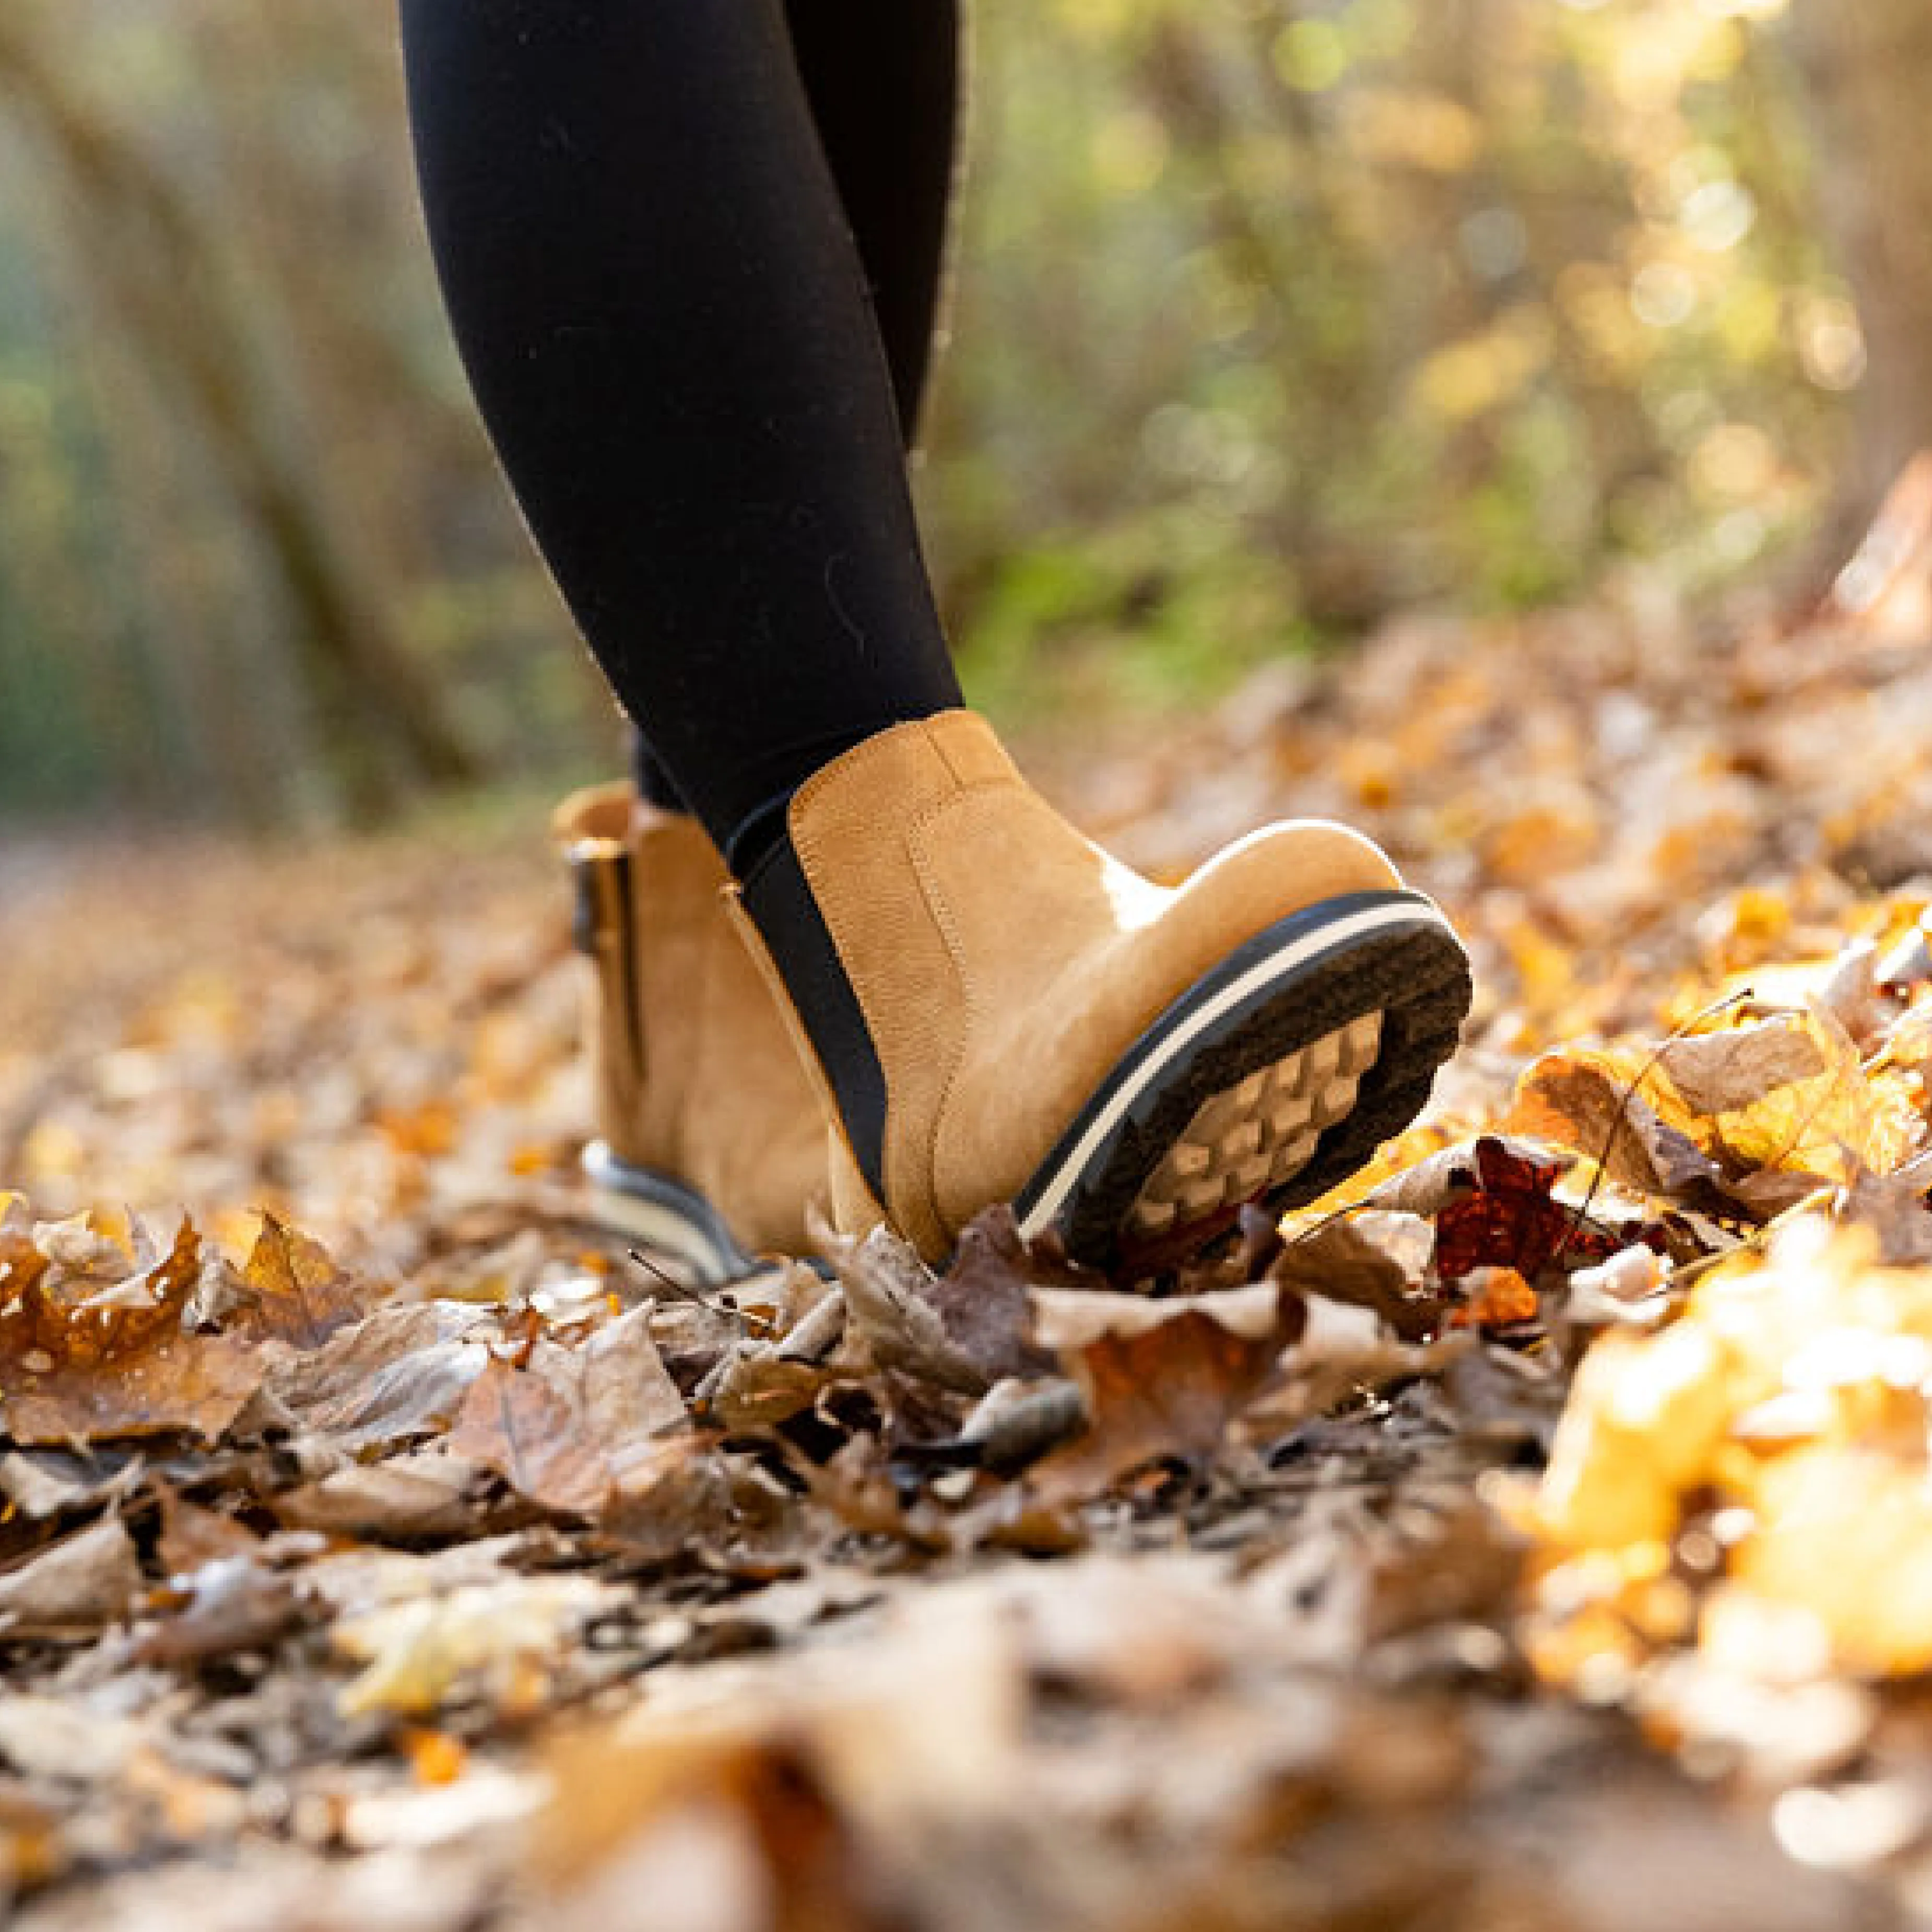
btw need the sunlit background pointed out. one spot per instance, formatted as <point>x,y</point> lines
<point>1273,318</point>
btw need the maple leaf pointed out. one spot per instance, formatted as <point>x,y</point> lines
<point>1511,1220</point>
<point>84,1358</point>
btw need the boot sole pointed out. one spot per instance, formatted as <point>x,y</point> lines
<point>1269,1080</point>
<point>671,1223</point>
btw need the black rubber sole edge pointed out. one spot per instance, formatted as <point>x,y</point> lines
<point>1306,976</point>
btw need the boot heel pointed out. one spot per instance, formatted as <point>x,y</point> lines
<point>1273,1076</point>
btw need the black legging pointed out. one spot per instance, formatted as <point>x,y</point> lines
<point>644,213</point>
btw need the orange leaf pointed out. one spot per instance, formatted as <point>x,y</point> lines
<point>89,1350</point>
<point>300,1295</point>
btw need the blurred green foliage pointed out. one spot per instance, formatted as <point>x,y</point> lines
<point>1271,316</point>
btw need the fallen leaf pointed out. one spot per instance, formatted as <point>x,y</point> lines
<point>424,1493</point>
<point>759,1385</point>
<point>889,1304</point>
<point>1377,1258</point>
<point>416,1654</point>
<point>85,1580</point>
<point>570,1430</point>
<point>981,1303</point>
<point>1722,1072</point>
<point>1159,1378</point>
<point>42,1483</point>
<point>191,1536</point>
<point>297,1294</point>
<point>514,1422</point>
<point>92,1347</point>
<point>228,1604</point>
<point>1512,1220</point>
<point>396,1376</point>
<point>1835,1123</point>
<point>1590,1102</point>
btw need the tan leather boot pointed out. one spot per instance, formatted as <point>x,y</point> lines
<point>710,1138</point>
<point>1003,1012</point>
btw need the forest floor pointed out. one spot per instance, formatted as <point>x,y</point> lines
<point>1537,1535</point>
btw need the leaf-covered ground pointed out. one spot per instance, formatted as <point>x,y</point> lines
<point>1539,1535</point>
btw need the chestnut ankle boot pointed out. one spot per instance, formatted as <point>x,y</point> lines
<point>710,1138</point>
<point>998,1011</point>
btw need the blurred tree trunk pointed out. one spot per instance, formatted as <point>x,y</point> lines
<point>1867,66</point>
<point>385,723</point>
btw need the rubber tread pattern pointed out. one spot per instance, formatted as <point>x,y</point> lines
<point>1415,978</point>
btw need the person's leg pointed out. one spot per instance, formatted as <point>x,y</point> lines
<point>882,78</point>
<point>656,285</point>
<point>654,282</point>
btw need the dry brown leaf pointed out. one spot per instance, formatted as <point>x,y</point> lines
<point>618,1384</point>
<point>1162,1379</point>
<point>93,1347</point>
<point>981,1300</point>
<point>298,1294</point>
<point>514,1422</point>
<point>1722,1072</point>
<point>758,1385</point>
<point>571,1430</point>
<point>1064,1319</point>
<point>1589,1102</point>
<point>1893,1208</point>
<point>1376,1258</point>
<point>231,1603</point>
<point>396,1376</point>
<point>890,1309</point>
<point>41,1483</point>
<point>721,1814</point>
<point>86,1579</point>
<point>191,1536</point>
<point>428,1492</point>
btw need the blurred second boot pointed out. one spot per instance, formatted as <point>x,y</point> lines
<point>710,1139</point>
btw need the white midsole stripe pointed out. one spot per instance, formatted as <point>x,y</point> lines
<point>1310,945</point>
<point>664,1232</point>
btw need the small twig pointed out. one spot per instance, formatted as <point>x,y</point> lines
<point>727,1311</point>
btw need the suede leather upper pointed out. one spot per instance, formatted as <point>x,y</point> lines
<point>1003,962</point>
<point>696,1075</point>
